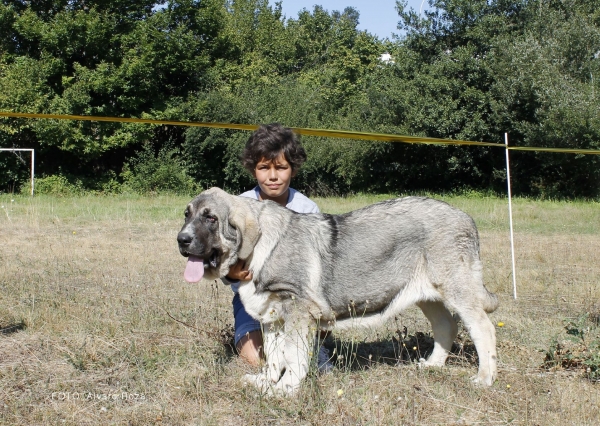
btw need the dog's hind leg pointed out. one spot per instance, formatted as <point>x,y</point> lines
<point>483,334</point>
<point>444,331</point>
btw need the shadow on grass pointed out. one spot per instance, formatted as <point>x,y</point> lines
<point>225,336</point>
<point>10,328</point>
<point>400,349</point>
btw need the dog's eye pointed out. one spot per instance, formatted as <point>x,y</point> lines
<point>211,219</point>
<point>186,213</point>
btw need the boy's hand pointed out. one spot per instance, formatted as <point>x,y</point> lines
<point>239,272</point>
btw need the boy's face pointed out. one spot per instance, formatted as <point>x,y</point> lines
<point>274,177</point>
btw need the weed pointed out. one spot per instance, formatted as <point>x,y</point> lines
<point>579,350</point>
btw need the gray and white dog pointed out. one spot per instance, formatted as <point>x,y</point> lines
<point>326,271</point>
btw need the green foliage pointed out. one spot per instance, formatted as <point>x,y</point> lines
<point>57,185</point>
<point>525,68</point>
<point>334,166</point>
<point>546,92</point>
<point>213,159</point>
<point>579,349</point>
<point>14,169</point>
<point>463,69</point>
<point>152,172</point>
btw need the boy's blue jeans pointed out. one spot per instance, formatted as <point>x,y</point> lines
<point>243,322</point>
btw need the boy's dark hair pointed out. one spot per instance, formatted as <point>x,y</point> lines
<point>268,141</point>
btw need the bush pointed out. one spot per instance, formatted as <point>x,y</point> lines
<point>152,172</point>
<point>58,185</point>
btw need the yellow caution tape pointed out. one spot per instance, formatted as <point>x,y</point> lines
<point>382,137</point>
<point>561,150</point>
<point>385,137</point>
<point>302,131</point>
<point>129,120</point>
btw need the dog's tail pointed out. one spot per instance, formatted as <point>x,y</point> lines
<point>490,301</point>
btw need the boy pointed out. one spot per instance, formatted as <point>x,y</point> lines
<point>273,154</point>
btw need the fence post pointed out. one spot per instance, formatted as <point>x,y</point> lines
<point>512,239</point>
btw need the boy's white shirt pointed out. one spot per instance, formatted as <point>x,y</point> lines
<point>296,201</point>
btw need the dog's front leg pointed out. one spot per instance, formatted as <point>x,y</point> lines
<point>297,351</point>
<point>274,343</point>
<point>273,346</point>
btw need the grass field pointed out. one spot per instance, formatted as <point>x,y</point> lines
<point>98,326</point>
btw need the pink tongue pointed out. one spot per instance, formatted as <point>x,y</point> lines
<point>194,270</point>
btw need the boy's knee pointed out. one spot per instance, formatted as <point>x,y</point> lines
<point>250,347</point>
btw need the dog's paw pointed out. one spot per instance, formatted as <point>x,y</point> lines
<point>259,381</point>
<point>262,383</point>
<point>285,387</point>
<point>483,380</point>
<point>427,363</point>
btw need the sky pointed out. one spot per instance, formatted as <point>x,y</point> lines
<point>379,17</point>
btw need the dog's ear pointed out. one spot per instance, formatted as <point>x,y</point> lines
<point>242,218</point>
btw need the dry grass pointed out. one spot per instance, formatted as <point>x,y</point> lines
<point>99,327</point>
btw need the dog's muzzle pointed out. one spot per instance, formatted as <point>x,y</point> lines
<point>184,239</point>
<point>197,261</point>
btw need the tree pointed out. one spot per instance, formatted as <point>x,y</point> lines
<point>509,66</point>
<point>101,58</point>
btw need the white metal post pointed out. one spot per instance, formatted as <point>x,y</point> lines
<point>512,239</point>
<point>32,170</point>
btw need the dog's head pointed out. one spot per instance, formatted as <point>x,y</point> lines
<point>219,229</point>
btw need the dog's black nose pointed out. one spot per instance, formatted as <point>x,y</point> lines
<point>184,238</point>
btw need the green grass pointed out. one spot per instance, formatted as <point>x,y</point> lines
<point>92,208</point>
<point>92,302</point>
<point>491,213</point>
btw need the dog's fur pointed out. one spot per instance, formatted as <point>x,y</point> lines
<point>357,269</point>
